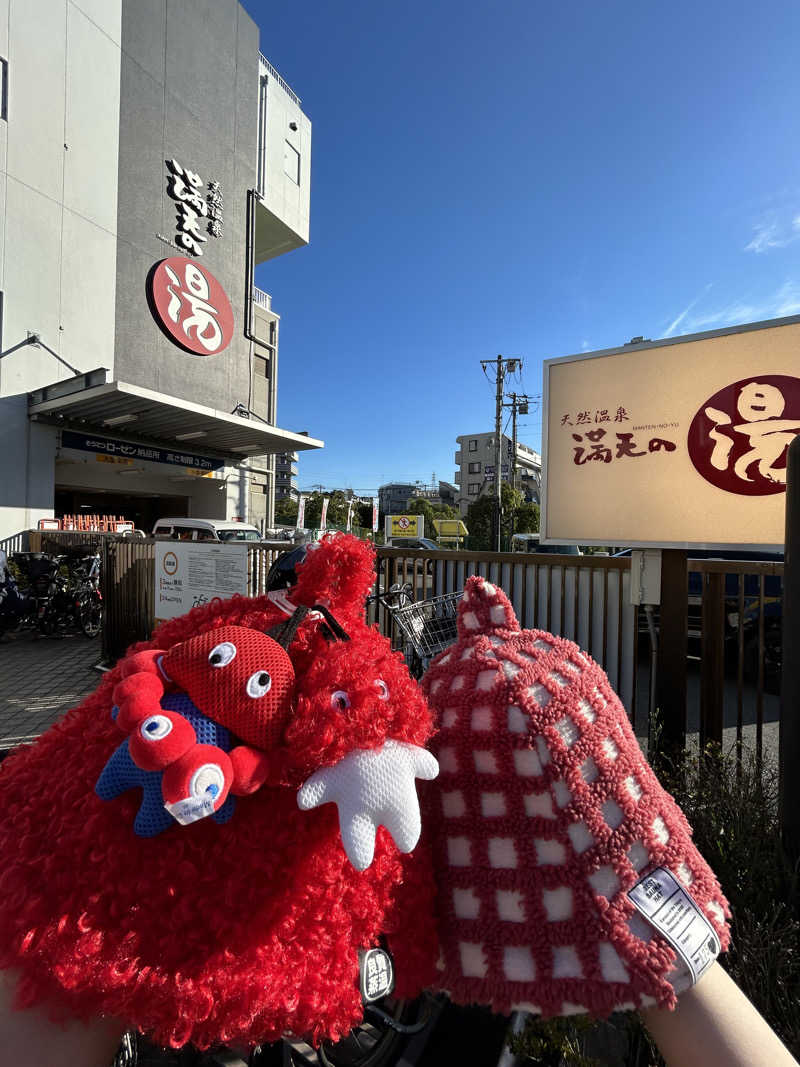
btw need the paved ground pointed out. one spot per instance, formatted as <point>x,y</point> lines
<point>40,679</point>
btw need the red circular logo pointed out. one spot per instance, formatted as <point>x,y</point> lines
<point>191,306</point>
<point>739,437</point>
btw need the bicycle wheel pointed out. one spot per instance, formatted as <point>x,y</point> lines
<point>375,1043</point>
<point>90,615</point>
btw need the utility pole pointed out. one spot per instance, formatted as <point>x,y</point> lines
<point>502,366</point>
<point>519,404</point>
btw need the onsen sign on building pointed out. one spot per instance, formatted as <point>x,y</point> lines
<point>191,306</point>
<point>678,443</point>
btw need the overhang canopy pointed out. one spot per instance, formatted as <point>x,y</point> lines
<point>89,401</point>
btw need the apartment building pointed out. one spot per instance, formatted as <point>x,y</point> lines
<point>475,475</point>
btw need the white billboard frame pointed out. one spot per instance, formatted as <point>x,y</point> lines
<point>628,349</point>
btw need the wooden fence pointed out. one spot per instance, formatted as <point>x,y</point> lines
<point>730,644</point>
<point>129,587</point>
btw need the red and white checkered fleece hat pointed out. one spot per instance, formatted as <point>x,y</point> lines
<point>544,816</point>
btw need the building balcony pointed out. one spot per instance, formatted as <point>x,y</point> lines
<point>458,459</point>
<point>284,168</point>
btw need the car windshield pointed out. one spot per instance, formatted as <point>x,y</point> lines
<point>239,535</point>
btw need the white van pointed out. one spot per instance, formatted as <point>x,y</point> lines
<point>181,529</point>
<point>529,542</point>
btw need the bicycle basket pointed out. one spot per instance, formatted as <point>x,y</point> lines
<point>429,625</point>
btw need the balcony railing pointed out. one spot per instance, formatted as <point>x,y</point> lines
<point>264,300</point>
<point>274,74</point>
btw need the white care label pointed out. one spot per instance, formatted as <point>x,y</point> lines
<point>671,911</point>
<point>191,809</point>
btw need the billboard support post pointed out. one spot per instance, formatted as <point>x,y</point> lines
<point>789,735</point>
<point>673,642</point>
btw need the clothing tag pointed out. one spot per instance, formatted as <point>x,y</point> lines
<point>671,911</point>
<point>191,809</point>
<point>375,973</point>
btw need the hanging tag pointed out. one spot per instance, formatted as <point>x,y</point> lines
<point>670,910</point>
<point>376,974</point>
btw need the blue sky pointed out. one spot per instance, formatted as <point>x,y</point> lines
<point>520,178</point>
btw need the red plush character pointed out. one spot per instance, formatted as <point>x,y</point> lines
<point>227,931</point>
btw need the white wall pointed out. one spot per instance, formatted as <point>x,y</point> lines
<point>285,198</point>
<point>58,216</point>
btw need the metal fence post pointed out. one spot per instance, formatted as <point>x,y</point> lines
<point>712,664</point>
<point>789,736</point>
<point>672,650</point>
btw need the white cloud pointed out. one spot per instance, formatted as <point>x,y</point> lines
<point>673,326</point>
<point>784,301</point>
<point>773,232</point>
<point>585,346</point>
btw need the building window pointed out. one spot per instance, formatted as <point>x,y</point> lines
<point>291,162</point>
<point>474,488</point>
<point>474,468</point>
<point>261,386</point>
<point>473,446</point>
<point>3,88</point>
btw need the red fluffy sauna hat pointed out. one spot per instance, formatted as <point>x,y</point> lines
<point>567,877</point>
<point>233,929</point>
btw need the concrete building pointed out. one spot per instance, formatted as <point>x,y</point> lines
<point>394,496</point>
<point>437,493</point>
<point>286,476</point>
<point>475,459</point>
<point>150,158</point>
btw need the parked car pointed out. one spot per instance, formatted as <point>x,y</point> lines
<point>529,542</point>
<point>773,609</point>
<point>183,529</point>
<point>418,544</point>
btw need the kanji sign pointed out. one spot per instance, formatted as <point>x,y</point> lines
<point>675,443</point>
<point>191,306</point>
<point>739,437</point>
<point>198,213</point>
<point>111,448</point>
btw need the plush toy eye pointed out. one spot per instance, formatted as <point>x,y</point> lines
<point>210,778</point>
<point>221,655</point>
<point>258,684</point>
<point>155,727</point>
<point>340,700</point>
<point>383,689</point>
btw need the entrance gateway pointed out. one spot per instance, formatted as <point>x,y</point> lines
<point>148,469</point>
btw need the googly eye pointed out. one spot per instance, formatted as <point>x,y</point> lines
<point>340,700</point>
<point>155,727</point>
<point>258,684</point>
<point>210,778</point>
<point>221,655</point>
<point>383,689</point>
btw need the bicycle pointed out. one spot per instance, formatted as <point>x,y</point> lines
<point>428,627</point>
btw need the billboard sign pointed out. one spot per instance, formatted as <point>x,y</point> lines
<point>674,443</point>
<point>404,526</point>
<point>189,574</point>
<point>450,528</point>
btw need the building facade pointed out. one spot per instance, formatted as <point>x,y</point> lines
<point>150,158</point>
<point>286,476</point>
<point>393,497</point>
<point>475,460</point>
